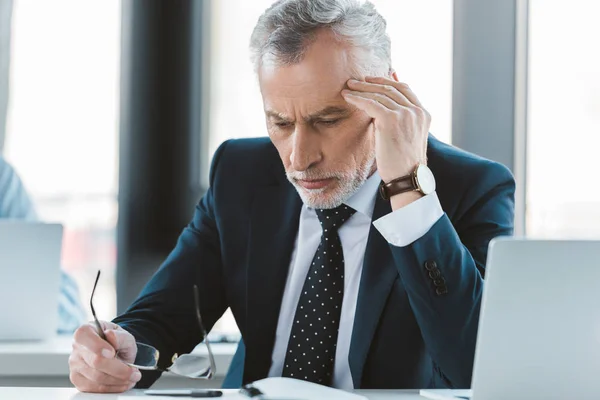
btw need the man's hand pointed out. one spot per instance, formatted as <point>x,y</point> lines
<point>401,123</point>
<point>93,365</point>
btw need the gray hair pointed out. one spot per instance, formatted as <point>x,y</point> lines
<point>287,28</point>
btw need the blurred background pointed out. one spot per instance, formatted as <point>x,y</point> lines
<point>116,107</point>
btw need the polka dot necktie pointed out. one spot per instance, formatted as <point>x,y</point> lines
<point>313,339</point>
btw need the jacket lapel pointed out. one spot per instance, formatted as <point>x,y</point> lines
<point>273,230</point>
<point>378,276</point>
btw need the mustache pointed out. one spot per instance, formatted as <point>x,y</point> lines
<point>311,175</point>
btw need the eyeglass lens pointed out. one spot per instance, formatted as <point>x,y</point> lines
<point>146,356</point>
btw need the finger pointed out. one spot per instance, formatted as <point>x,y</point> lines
<point>99,377</point>
<point>109,325</point>
<point>385,89</point>
<point>87,336</point>
<point>85,385</point>
<point>120,339</point>
<point>124,342</point>
<point>110,366</point>
<point>373,108</point>
<point>400,86</point>
<point>378,97</point>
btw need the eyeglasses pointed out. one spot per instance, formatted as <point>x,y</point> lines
<point>146,357</point>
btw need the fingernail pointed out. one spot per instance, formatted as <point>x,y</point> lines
<point>107,353</point>
<point>135,376</point>
<point>353,81</point>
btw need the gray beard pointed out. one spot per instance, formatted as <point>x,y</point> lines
<point>347,186</point>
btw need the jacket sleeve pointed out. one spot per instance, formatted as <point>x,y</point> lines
<point>15,203</point>
<point>163,314</point>
<point>443,273</point>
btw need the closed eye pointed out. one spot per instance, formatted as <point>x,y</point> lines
<point>283,124</point>
<point>329,122</point>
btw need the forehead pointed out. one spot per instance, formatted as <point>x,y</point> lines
<point>314,82</point>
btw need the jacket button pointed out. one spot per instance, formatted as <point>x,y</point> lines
<point>434,274</point>
<point>430,265</point>
<point>439,282</point>
<point>441,290</point>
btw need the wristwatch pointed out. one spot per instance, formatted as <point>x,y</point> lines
<point>421,180</point>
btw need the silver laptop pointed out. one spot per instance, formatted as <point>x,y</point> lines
<point>29,279</point>
<point>539,329</point>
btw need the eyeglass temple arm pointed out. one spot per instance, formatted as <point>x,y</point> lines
<point>98,326</point>
<point>211,358</point>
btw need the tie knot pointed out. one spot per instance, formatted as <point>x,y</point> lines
<point>333,218</point>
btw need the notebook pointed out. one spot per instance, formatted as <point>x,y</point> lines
<point>289,388</point>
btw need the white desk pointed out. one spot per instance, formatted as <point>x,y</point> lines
<point>20,393</point>
<point>47,364</point>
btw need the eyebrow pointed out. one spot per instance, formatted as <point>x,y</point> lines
<point>327,111</point>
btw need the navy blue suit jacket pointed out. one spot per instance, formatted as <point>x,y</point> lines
<point>238,246</point>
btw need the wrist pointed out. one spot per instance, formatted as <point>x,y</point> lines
<point>401,200</point>
<point>411,187</point>
<point>388,176</point>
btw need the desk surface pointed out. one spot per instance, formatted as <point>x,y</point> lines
<point>50,358</point>
<point>20,393</point>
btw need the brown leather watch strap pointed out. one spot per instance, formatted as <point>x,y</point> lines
<point>399,185</point>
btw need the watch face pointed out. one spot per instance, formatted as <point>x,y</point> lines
<point>425,179</point>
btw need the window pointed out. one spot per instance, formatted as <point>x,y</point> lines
<point>63,127</point>
<point>564,120</point>
<point>421,55</point>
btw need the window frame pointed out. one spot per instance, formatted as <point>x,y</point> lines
<point>493,127</point>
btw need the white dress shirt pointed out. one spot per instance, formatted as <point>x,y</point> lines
<point>400,228</point>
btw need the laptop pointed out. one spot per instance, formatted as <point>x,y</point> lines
<point>539,329</point>
<point>29,279</point>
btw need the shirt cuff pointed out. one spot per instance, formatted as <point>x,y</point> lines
<point>408,224</point>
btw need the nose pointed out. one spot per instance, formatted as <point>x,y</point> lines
<point>306,148</point>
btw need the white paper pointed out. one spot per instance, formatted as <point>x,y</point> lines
<point>293,389</point>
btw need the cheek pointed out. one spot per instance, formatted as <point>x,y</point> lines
<point>359,137</point>
<point>284,148</point>
<point>350,143</point>
<point>369,139</point>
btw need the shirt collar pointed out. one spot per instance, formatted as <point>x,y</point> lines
<point>363,200</point>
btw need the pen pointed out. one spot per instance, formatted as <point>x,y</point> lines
<point>185,393</point>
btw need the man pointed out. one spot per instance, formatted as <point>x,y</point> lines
<point>16,204</point>
<point>329,280</point>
